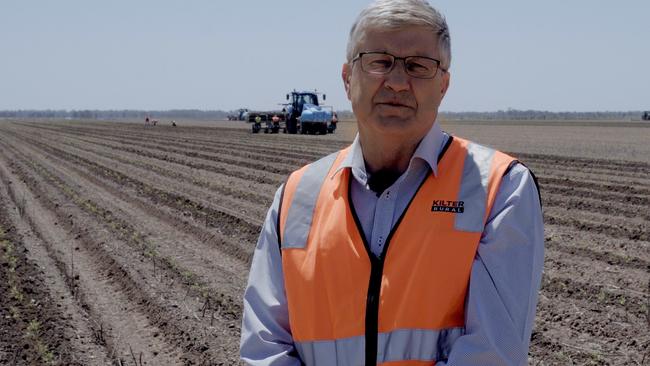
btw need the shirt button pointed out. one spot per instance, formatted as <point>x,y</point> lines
<point>380,240</point>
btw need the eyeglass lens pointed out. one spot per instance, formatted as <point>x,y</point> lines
<point>383,63</point>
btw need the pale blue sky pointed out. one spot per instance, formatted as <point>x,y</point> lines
<point>571,55</point>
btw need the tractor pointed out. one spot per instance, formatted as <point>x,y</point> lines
<point>646,116</point>
<point>240,115</point>
<point>305,115</point>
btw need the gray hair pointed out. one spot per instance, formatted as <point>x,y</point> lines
<point>393,14</point>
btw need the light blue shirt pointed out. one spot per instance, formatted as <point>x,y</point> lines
<point>504,282</point>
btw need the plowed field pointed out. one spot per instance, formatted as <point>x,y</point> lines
<point>130,245</point>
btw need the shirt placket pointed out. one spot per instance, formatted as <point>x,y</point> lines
<point>384,213</point>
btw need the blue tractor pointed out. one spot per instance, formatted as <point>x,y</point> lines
<point>305,115</point>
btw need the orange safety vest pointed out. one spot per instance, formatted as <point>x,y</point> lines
<point>349,307</point>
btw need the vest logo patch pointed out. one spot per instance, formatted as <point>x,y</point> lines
<point>448,206</point>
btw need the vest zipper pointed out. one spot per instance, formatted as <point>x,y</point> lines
<point>377,268</point>
<point>372,308</point>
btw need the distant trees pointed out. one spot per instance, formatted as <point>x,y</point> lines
<point>86,114</point>
<point>196,114</point>
<point>514,114</point>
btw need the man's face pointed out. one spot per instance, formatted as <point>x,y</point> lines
<point>396,104</point>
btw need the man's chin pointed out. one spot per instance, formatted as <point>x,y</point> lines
<point>395,119</point>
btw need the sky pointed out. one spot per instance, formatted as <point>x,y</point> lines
<point>556,55</point>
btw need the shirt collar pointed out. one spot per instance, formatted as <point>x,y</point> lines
<point>428,150</point>
<point>430,147</point>
<point>354,160</point>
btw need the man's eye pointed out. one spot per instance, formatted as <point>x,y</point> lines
<point>380,63</point>
<point>417,67</point>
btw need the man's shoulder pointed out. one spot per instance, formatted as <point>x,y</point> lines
<point>481,154</point>
<point>469,142</point>
<point>324,162</point>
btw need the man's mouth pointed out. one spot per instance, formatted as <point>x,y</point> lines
<point>395,104</point>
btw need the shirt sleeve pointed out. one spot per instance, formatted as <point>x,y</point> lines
<point>505,278</point>
<point>265,334</point>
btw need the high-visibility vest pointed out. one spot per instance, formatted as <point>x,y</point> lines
<point>406,307</point>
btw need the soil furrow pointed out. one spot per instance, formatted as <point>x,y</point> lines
<point>253,151</point>
<point>605,189</point>
<point>203,239</point>
<point>81,330</point>
<point>223,147</point>
<point>593,170</point>
<point>602,295</point>
<point>232,203</point>
<point>557,345</point>
<point>591,316</point>
<point>244,173</point>
<point>638,185</point>
<point>225,219</point>
<point>102,286</point>
<point>610,258</point>
<point>142,221</point>
<point>38,325</point>
<point>617,277</point>
<point>235,188</point>
<point>613,165</point>
<point>601,247</point>
<point>209,135</point>
<point>169,317</point>
<point>568,202</point>
<point>632,231</point>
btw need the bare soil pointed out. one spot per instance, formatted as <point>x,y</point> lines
<point>122,244</point>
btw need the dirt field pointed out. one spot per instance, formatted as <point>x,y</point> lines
<point>130,245</point>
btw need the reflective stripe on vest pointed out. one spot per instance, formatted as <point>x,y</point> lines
<point>406,307</point>
<point>300,212</point>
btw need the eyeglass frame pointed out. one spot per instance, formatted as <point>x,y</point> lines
<point>395,59</point>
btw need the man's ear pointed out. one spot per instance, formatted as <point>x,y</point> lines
<point>346,73</point>
<point>444,85</point>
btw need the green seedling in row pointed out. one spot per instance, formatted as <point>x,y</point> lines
<point>14,312</point>
<point>46,355</point>
<point>16,294</point>
<point>33,327</point>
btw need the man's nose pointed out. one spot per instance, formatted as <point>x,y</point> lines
<point>397,79</point>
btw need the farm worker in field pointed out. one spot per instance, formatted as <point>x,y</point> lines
<point>409,247</point>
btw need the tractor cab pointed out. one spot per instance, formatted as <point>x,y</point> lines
<point>298,99</point>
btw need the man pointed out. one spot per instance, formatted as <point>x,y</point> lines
<point>411,246</point>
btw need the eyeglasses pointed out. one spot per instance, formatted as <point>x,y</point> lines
<point>382,63</point>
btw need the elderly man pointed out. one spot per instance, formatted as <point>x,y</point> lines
<point>409,247</point>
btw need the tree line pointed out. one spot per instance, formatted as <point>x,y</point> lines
<point>196,114</point>
<point>126,114</point>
